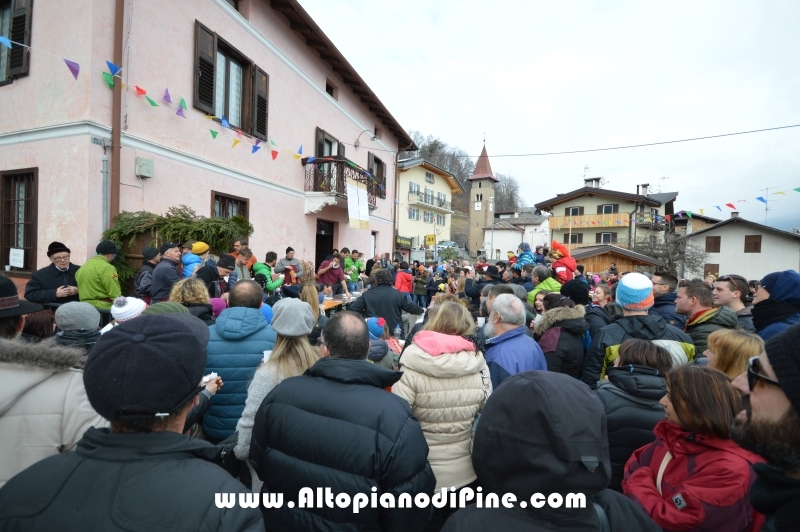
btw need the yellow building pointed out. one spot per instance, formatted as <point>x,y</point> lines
<point>425,203</point>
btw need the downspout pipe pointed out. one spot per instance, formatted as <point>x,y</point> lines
<point>116,119</point>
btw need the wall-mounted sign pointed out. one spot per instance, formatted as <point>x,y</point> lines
<point>403,242</point>
<point>16,258</point>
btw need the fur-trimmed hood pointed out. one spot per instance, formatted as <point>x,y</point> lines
<point>553,317</point>
<point>45,355</point>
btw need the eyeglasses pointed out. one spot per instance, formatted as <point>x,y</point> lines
<point>60,259</point>
<point>754,374</point>
<point>661,284</point>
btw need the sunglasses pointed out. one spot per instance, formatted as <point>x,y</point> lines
<point>755,373</point>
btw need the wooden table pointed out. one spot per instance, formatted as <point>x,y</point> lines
<point>331,306</point>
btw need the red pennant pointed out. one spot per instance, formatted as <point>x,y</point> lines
<point>731,205</point>
<point>140,91</point>
<point>274,154</point>
<point>668,217</point>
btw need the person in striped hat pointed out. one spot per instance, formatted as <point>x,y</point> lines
<point>635,295</point>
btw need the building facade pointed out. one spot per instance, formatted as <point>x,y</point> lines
<point>511,229</point>
<point>426,193</point>
<point>275,124</point>
<point>481,205</point>
<point>592,215</point>
<point>739,246</point>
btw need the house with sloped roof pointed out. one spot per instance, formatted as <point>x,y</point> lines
<point>509,229</point>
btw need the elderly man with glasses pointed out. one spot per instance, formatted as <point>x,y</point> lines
<point>55,283</point>
<point>770,426</point>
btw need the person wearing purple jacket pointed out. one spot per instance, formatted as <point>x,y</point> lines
<point>508,349</point>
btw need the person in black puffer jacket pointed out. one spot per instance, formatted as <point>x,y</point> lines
<point>631,394</point>
<point>192,294</point>
<point>559,334</point>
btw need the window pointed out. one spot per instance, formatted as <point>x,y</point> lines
<point>413,214</point>
<point>225,206</point>
<point>573,211</point>
<point>233,4</point>
<point>331,89</point>
<point>441,219</point>
<point>605,238</point>
<point>577,238</point>
<point>19,217</point>
<point>15,24</point>
<point>478,197</point>
<point>607,209</point>
<point>413,188</point>
<point>441,199</point>
<point>428,177</point>
<point>377,169</point>
<point>712,244</point>
<point>429,217</point>
<point>328,145</point>
<point>752,244</point>
<point>229,85</point>
<point>378,132</point>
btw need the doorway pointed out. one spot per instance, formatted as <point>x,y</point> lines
<point>324,243</point>
<point>374,238</point>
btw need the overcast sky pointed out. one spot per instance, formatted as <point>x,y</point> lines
<point>541,76</point>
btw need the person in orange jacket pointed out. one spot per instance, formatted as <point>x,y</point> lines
<point>563,265</point>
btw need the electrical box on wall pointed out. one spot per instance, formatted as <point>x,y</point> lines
<point>144,167</point>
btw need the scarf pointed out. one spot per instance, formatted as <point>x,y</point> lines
<point>78,338</point>
<point>772,311</point>
<point>775,494</point>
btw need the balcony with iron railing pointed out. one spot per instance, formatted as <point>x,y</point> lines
<point>430,202</point>
<point>326,182</point>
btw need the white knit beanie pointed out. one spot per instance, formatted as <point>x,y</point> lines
<point>127,308</point>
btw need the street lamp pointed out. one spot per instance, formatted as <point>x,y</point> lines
<point>491,209</point>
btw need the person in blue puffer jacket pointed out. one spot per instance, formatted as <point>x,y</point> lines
<point>524,256</point>
<point>194,259</point>
<point>776,304</point>
<point>236,346</point>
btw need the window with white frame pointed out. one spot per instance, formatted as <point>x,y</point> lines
<point>413,214</point>
<point>441,219</point>
<point>429,217</point>
<point>428,196</point>
<point>573,211</point>
<point>607,209</point>
<point>413,188</point>
<point>441,198</point>
<point>606,238</point>
<point>428,177</point>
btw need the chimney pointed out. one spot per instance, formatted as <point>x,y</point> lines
<point>516,214</point>
<point>644,189</point>
<point>592,182</point>
<point>734,214</point>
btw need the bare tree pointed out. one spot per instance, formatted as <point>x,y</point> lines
<point>677,254</point>
<point>506,194</point>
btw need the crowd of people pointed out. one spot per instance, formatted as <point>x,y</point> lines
<point>671,404</point>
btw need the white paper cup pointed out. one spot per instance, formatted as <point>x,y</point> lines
<point>481,322</point>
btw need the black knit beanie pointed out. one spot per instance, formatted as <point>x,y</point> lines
<point>784,358</point>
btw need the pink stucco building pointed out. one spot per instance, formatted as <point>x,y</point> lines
<point>264,65</point>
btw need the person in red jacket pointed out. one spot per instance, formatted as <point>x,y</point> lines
<point>693,476</point>
<point>563,265</point>
<point>404,282</point>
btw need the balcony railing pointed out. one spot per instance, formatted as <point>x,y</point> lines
<point>330,174</point>
<point>430,201</point>
<point>589,220</point>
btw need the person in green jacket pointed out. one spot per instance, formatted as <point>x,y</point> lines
<point>543,280</point>
<point>353,267</point>
<point>98,283</point>
<point>270,281</point>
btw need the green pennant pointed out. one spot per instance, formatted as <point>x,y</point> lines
<point>183,103</point>
<point>272,141</point>
<point>689,214</point>
<point>150,101</point>
<point>109,79</point>
<point>213,133</point>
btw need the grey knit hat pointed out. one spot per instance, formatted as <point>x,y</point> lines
<point>292,318</point>
<point>75,316</point>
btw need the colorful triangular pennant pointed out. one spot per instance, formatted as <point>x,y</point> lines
<point>274,154</point>
<point>166,97</point>
<point>256,148</point>
<point>183,103</point>
<point>5,42</point>
<point>73,67</point>
<point>300,150</point>
<point>109,79</point>
<point>689,214</point>
<point>150,101</point>
<point>180,112</point>
<point>235,142</point>
<point>114,69</point>
<point>761,199</point>
<point>214,133</point>
<point>225,122</point>
<point>731,205</point>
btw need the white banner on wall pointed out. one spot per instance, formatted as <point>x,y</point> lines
<point>357,204</point>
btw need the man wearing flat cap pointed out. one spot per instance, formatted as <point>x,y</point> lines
<point>143,280</point>
<point>144,376</point>
<point>55,283</point>
<point>98,282</point>
<point>165,275</point>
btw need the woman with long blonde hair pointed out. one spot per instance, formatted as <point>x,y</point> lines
<point>729,350</point>
<point>291,356</point>
<point>310,295</point>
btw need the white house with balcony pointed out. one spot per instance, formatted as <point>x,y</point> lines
<point>425,203</point>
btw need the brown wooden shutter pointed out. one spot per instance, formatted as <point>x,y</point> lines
<point>566,238</point>
<point>580,238</point>
<point>205,68</point>
<point>616,208</point>
<point>320,141</point>
<point>20,31</point>
<point>260,103</point>
<point>599,209</point>
<point>613,238</point>
<point>341,149</point>
<point>370,161</point>
<point>566,211</point>
<point>580,211</point>
<point>383,180</point>
<point>598,238</point>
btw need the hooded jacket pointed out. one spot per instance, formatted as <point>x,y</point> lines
<point>44,410</point>
<point>379,354</point>
<point>44,283</point>
<point>513,352</point>
<point>564,268</point>
<point>165,275</point>
<point>597,317</point>
<point>98,282</point>
<point>268,284</point>
<point>526,257</point>
<point>336,427</point>
<point>549,284</point>
<point>190,261</point>
<point>404,281</point>
<point>664,306</point>
<point>442,383</point>
<point>704,323</point>
<point>204,311</point>
<point>146,481</point>
<point>236,346</point>
<point>144,280</point>
<point>782,309</point>
<point>745,318</point>
<point>605,346</point>
<point>559,335</point>
<point>704,486</point>
<point>544,433</point>
<point>631,398</point>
